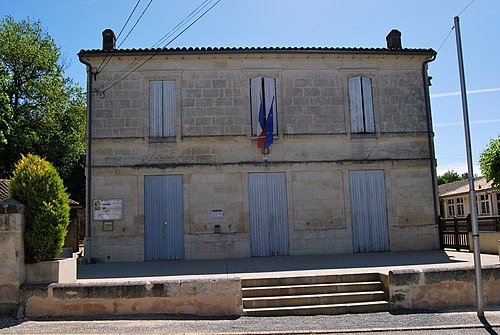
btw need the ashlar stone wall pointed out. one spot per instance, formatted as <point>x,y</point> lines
<point>214,149</point>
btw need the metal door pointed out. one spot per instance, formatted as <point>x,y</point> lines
<point>368,211</point>
<point>163,218</point>
<point>268,214</point>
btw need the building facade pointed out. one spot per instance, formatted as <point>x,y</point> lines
<point>206,153</point>
<point>454,199</point>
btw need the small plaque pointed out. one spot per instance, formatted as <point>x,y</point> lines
<point>217,214</point>
<point>108,209</point>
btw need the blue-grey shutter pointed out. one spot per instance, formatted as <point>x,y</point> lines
<point>366,84</point>
<point>155,108</point>
<point>163,217</point>
<point>368,211</point>
<point>356,105</point>
<point>257,91</point>
<point>162,115</point>
<point>270,93</point>
<point>255,96</point>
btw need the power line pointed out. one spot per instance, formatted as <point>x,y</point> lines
<point>463,10</point>
<point>453,27</point>
<point>119,34</point>
<point>136,22</point>
<point>130,31</point>
<point>131,68</point>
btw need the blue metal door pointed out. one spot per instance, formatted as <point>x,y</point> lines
<point>268,214</point>
<point>163,218</point>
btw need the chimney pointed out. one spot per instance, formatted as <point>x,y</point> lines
<point>108,40</point>
<point>394,39</point>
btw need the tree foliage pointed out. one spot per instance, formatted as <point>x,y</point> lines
<point>451,176</point>
<point>489,162</point>
<point>41,111</point>
<point>37,184</point>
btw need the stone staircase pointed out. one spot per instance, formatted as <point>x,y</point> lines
<point>313,295</point>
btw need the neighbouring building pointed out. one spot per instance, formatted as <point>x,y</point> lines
<point>454,199</point>
<point>203,153</point>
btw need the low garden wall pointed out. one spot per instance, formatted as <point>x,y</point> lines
<point>202,297</point>
<point>442,288</point>
<point>12,273</point>
<point>489,242</point>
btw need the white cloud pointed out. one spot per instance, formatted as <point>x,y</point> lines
<point>452,94</point>
<point>461,123</point>
<point>458,167</point>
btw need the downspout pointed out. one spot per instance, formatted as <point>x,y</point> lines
<point>430,140</point>
<point>88,222</point>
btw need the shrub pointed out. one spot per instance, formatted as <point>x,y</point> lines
<point>36,184</point>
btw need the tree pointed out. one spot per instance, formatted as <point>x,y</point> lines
<point>451,176</point>
<point>37,184</point>
<point>41,111</point>
<point>489,162</point>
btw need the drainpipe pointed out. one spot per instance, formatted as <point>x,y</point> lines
<point>88,222</point>
<point>430,140</point>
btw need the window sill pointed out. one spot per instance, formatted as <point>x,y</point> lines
<point>162,139</point>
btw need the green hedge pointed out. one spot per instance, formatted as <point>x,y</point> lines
<point>37,185</point>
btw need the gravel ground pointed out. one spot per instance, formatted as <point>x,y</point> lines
<point>417,322</point>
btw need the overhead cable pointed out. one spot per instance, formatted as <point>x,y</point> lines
<point>140,61</point>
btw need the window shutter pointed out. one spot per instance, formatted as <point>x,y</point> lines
<point>162,102</point>
<point>169,115</point>
<point>369,124</point>
<point>262,88</point>
<point>255,96</point>
<point>270,92</point>
<point>155,108</point>
<point>356,105</point>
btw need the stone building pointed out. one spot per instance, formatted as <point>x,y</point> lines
<point>454,199</point>
<point>203,153</point>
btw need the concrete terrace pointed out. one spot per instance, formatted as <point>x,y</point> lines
<point>248,268</point>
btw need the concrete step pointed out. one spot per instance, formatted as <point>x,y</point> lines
<point>313,299</point>
<point>268,291</point>
<point>359,307</point>
<point>316,279</point>
<point>312,295</point>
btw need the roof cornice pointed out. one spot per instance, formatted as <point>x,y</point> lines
<point>256,50</point>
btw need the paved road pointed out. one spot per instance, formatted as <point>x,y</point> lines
<point>377,323</point>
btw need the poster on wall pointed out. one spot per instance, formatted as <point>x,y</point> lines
<point>108,209</point>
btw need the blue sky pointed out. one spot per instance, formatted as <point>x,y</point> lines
<point>78,24</point>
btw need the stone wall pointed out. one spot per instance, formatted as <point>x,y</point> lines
<point>317,199</point>
<point>442,288</point>
<point>11,255</point>
<point>214,149</point>
<point>201,297</point>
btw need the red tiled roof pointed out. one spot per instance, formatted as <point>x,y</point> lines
<point>248,50</point>
<point>462,187</point>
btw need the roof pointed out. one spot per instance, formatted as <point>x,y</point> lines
<point>462,187</point>
<point>257,50</point>
<point>4,193</point>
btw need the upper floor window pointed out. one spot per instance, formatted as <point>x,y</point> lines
<point>484,204</point>
<point>162,115</point>
<point>451,207</point>
<point>361,105</point>
<point>263,105</point>
<point>460,207</point>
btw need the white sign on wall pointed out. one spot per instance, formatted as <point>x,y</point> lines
<point>217,214</point>
<point>108,209</point>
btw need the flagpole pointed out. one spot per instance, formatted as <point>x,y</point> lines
<point>472,192</point>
